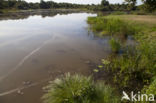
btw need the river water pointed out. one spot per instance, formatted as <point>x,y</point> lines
<point>37,48</point>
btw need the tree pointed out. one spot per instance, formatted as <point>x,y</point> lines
<point>149,5</point>
<point>1,4</point>
<point>104,3</point>
<point>131,4</point>
<point>22,5</point>
<point>43,4</point>
<point>11,3</point>
<point>34,5</point>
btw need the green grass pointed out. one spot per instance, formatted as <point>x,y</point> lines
<point>118,13</point>
<point>151,89</point>
<point>115,45</point>
<point>110,25</point>
<point>136,66</point>
<point>79,89</point>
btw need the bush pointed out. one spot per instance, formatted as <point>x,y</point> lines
<point>78,89</point>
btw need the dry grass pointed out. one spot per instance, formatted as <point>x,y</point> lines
<point>150,19</point>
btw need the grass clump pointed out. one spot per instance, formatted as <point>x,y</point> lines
<point>115,45</point>
<point>79,89</point>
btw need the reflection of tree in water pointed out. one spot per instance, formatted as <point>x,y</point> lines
<point>44,13</point>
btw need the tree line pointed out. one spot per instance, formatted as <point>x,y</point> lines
<point>128,5</point>
<point>21,4</point>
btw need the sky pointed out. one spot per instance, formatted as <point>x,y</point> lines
<point>83,1</point>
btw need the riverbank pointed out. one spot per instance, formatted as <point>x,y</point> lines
<point>132,67</point>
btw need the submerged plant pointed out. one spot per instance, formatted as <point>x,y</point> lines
<point>79,89</point>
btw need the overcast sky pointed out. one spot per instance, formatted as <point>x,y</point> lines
<point>83,1</point>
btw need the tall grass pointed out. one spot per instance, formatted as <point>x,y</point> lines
<point>118,13</point>
<point>111,25</point>
<point>115,45</point>
<point>136,66</point>
<point>79,89</point>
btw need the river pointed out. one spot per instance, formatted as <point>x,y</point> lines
<point>40,47</point>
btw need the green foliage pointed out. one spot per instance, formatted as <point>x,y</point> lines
<point>105,3</point>
<point>105,94</point>
<point>21,4</point>
<point>91,20</point>
<point>152,88</point>
<point>139,12</point>
<point>118,13</point>
<point>105,62</point>
<point>79,89</point>
<point>111,25</point>
<point>115,45</point>
<point>115,25</point>
<point>96,70</point>
<point>131,4</point>
<point>136,65</point>
<point>69,89</point>
<point>149,5</point>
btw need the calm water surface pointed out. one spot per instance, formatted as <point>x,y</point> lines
<point>36,49</point>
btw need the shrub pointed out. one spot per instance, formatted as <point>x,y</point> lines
<point>78,89</point>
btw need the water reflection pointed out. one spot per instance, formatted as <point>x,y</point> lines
<point>42,47</point>
<point>43,13</point>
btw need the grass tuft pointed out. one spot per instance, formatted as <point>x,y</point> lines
<point>79,89</point>
<point>115,45</point>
